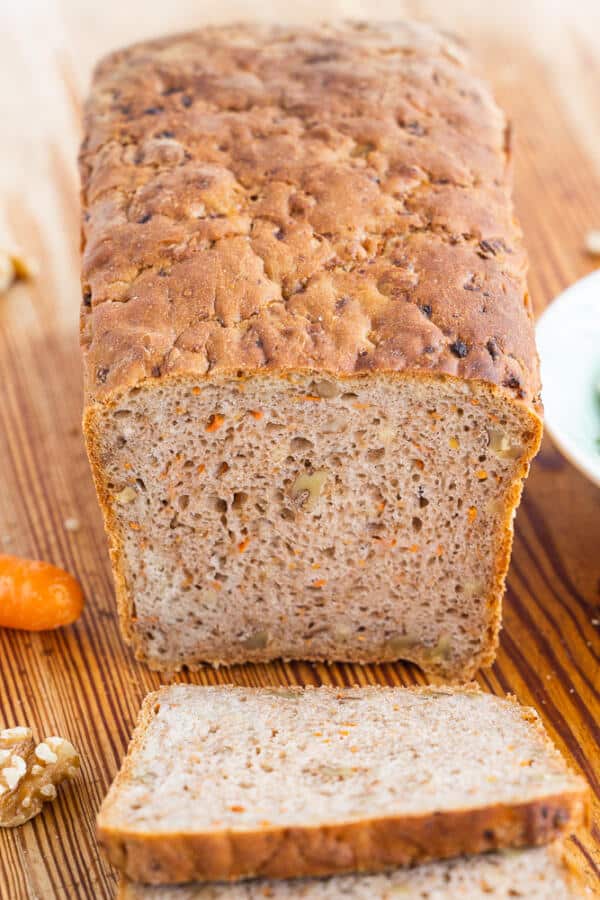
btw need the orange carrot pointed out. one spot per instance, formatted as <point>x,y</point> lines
<point>215,422</point>
<point>36,596</point>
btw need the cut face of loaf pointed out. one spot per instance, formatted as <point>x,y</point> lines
<point>228,783</point>
<point>538,874</point>
<point>314,517</point>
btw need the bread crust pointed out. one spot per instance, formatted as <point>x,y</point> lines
<point>572,879</point>
<point>367,845</point>
<point>263,198</point>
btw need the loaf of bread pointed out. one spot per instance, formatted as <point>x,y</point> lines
<point>312,388</point>
<point>225,783</point>
<point>539,874</point>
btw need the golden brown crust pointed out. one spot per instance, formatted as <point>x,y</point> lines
<point>563,875</point>
<point>125,601</point>
<point>368,845</point>
<point>334,199</point>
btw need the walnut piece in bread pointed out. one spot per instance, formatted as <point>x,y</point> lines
<point>30,773</point>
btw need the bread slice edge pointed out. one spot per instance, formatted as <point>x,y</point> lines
<point>567,876</point>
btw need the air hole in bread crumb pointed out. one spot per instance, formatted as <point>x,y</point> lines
<point>300,443</point>
<point>239,498</point>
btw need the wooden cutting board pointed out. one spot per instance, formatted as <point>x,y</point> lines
<point>82,682</point>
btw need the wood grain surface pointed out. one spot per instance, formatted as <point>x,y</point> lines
<point>81,682</point>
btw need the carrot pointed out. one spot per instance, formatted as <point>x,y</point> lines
<point>215,422</point>
<point>36,596</point>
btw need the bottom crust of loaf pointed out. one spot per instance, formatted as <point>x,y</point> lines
<point>364,519</point>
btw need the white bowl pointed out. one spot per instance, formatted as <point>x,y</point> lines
<point>568,338</point>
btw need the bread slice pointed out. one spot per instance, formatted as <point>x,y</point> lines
<point>538,874</point>
<point>229,782</point>
<point>312,389</point>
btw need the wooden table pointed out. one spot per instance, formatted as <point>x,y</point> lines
<point>81,682</point>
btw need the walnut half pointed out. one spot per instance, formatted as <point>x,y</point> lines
<point>30,773</point>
